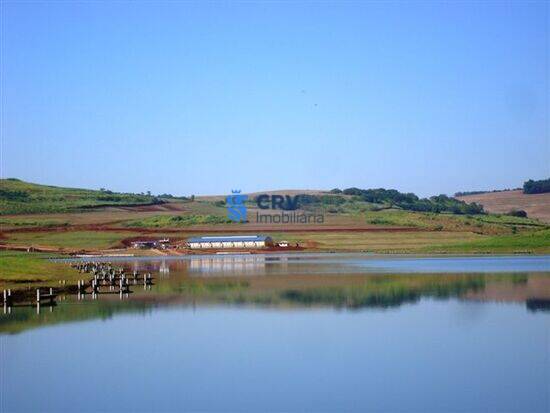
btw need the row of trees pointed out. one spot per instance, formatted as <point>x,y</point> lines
<point>529,187</point>
<point>411,202</point>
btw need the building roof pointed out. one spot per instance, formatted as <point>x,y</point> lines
<point>230,238</point>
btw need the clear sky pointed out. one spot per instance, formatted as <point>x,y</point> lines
<point>204,97</point>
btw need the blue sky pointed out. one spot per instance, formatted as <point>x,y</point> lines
<point>205,97</point>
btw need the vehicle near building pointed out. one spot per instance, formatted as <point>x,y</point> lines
<point>145,244</point>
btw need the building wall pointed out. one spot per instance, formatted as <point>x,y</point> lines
<point>227,244</point>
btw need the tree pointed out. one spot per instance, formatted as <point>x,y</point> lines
<point>536,187</point>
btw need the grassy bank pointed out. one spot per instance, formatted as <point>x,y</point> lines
<point>70,239</point>
<point>533,242</point>
<point>487,224</point>
<point>19,269</point>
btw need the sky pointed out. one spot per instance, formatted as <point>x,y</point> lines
<point>206,97</point>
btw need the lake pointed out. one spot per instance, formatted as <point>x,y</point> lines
<point>289,332</point>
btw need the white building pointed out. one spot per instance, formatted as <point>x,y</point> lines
<point>231,241</point>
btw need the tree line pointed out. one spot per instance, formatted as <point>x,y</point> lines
<point>394,198</point>
<point>536,187</point>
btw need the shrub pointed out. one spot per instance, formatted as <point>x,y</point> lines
<point>518,213</point>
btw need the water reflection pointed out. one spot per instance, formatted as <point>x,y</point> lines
<point>242,265</point>
<point>273,282</point>
<point>274,333</point>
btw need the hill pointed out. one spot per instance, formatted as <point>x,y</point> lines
<point>536,205</point>
<point>48,218</point>
<point>19,197</point>
<point>352,199</point>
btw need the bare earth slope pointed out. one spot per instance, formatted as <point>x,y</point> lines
<point>536,205</point>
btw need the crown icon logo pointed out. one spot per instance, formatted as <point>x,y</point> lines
<point>235,191</point>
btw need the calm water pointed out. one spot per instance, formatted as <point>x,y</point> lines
<point>315,333</point>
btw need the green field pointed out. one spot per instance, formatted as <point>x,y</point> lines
<point>488,224</point>
<point>71,239</point>
<point>176,221</point>
<point>533,242</point>
<point>20,268</point>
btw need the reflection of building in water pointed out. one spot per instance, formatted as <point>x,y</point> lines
<point>238,265</point>
<point>164,269</point>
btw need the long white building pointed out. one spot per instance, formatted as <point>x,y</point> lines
<point>229,241</point>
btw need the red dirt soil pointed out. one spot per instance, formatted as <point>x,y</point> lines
<point>210,229</point>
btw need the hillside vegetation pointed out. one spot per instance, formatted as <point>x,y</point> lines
<point>19,268</point>
<point>390,198</point>
<point>19,197</point>
<point>175,221</point>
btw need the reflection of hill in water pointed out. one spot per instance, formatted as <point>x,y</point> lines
<point>24,318</point>
<point>385,293</point>
<point>347,291</point>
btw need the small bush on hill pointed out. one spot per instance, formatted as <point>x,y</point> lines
<point>518,213</point>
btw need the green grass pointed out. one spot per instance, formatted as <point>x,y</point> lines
<point>487,224</point>
<point>534,242</point>
<point>380,242</point>
<point>167,221</point>
<point>34,223</point>
<point>70,239</point>
<point>18,268</point>
<point>19,197</point>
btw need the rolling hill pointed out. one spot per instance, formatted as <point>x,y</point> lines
<point>19,197</point>
<point>536,205</point>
